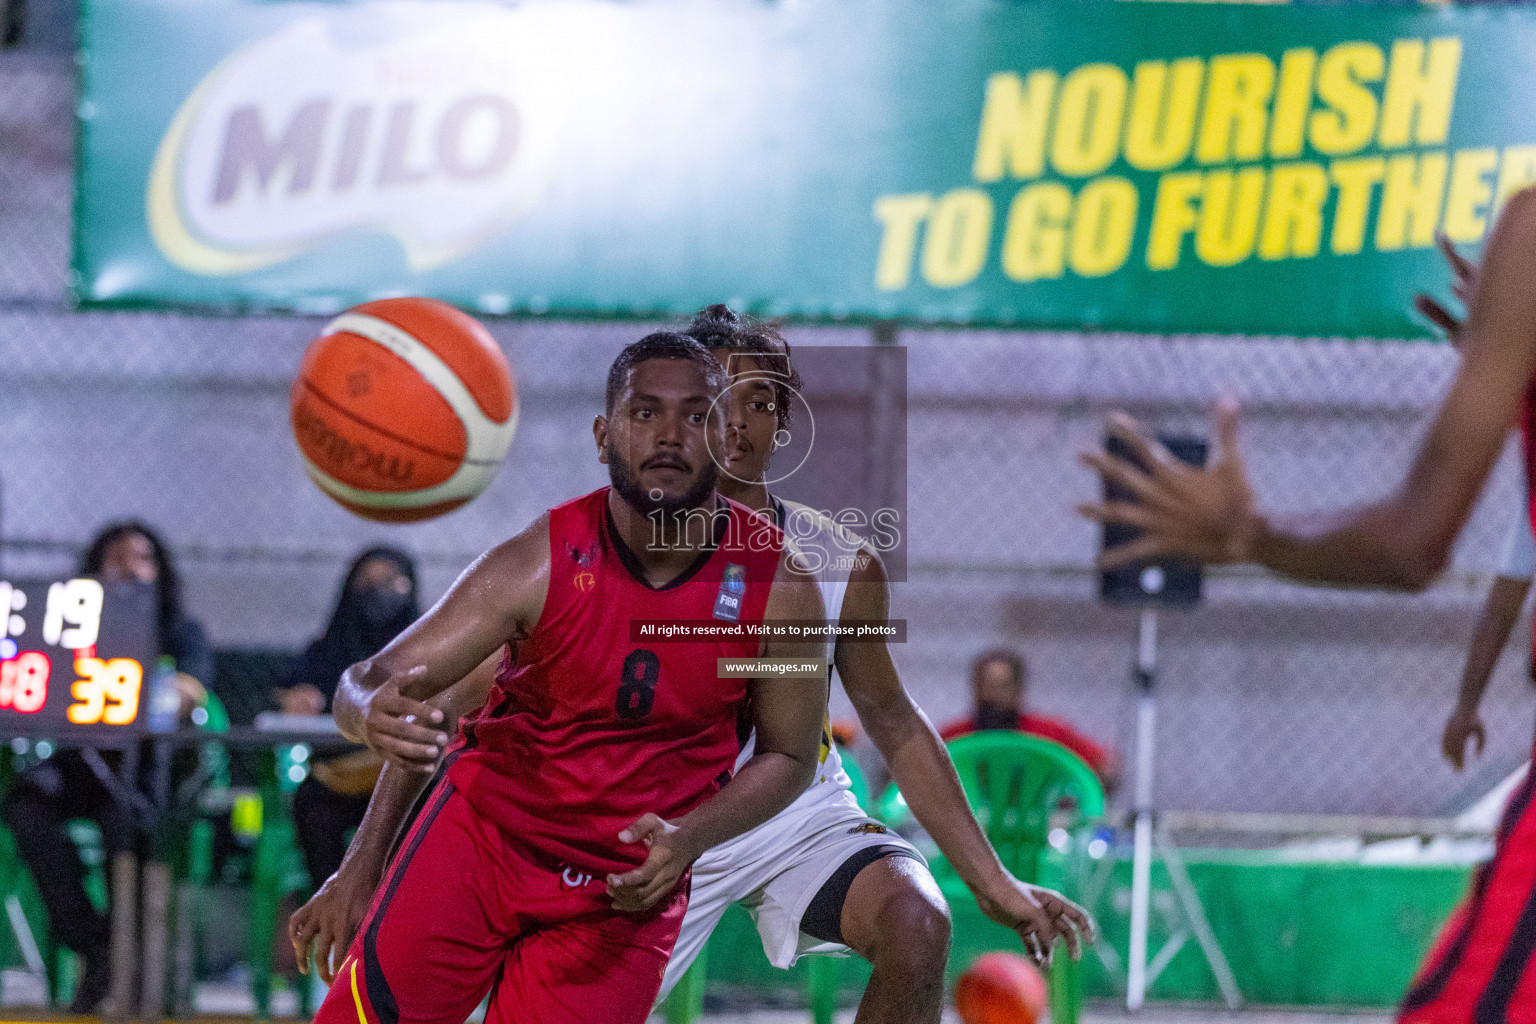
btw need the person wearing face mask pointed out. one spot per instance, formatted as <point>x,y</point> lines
<point>41,802</point>
<point>378,600</point>
<point>999,678</point>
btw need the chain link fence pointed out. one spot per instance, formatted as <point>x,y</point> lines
<point>1274,697</point>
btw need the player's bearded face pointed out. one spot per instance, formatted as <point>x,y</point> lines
<point>660,436</point>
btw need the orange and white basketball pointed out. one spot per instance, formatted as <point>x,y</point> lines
<point>403,409</point>
<point>1000,988</point>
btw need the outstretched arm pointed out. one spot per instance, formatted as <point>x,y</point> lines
<point>922,768</point>
<point>787,714</point>
<point>1400,542</point>
<point>380,701</point>
<point>1494,625</point>
<point>330,918</point>
<point>1500,611</point>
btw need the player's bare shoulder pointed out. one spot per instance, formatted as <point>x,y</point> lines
<point>795,593</point>
<point>513,577</point>
<point>869,591</point>
<point>833,552</point>
<point>828,548</point>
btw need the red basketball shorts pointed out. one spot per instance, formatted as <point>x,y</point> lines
<point>1480,970</point>
<point>463,910</point>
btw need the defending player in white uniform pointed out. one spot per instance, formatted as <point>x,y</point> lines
<point>777,868</point>
<point>822,876</point>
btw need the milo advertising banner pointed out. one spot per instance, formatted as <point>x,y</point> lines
<point>1148,167</point>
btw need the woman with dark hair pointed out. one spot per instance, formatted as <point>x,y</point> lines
<point>130,552</point>
<point>377,601</point>
<point>43,800</point>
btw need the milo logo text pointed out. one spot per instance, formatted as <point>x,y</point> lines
<point>253,157</point>
<point>422,131</point>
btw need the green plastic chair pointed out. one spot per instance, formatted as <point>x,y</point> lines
<point>191,854</point>
<point>1016,783</point>
<point>277,869</point>
<point>197,856</point>
<point>16,883</point>
<point>1020,788</point>
<point>686,1000</point>
<point>192,848</point>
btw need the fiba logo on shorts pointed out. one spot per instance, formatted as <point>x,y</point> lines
<point>425,132</point>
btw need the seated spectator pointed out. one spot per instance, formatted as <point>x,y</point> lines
<point>377,601</point>
<point>43,800</point>
<point>999,679</point>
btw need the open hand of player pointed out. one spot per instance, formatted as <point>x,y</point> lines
<point>1205,514</point>
<point>1040,916</point>
<point>667,859</point>
<point>400,728</point>
<point>329,921</point>
<point>1463,725</point>
<point>1463,283</point>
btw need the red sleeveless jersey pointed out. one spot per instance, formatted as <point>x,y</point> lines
<point>589,729</point>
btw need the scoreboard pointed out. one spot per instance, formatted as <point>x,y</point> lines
<point>75,656</point>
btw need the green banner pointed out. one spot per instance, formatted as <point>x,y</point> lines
<point>1124,166</point>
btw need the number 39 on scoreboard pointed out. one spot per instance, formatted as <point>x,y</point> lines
<point>109,693</point>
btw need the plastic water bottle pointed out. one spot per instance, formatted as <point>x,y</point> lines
<point>164,699</point>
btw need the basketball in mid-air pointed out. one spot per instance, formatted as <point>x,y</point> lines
<point>1000,988</point>
<point>403,409</point>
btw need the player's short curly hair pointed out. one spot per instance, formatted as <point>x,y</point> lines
<point>661,345</point>
<point>720,327</point>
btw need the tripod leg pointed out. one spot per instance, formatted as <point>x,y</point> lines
<point>1165,956</point>
<point>1141,906</point>
<point>1141,857</point>
<point>1195,911</point>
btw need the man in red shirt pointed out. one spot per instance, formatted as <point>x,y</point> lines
<point>549,868</point>
<point>820,876</point>
<point>999,678</point>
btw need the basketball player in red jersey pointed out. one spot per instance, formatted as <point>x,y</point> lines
<point>820,876</point>
<point>549,868</point>
<point>1482,968</point>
